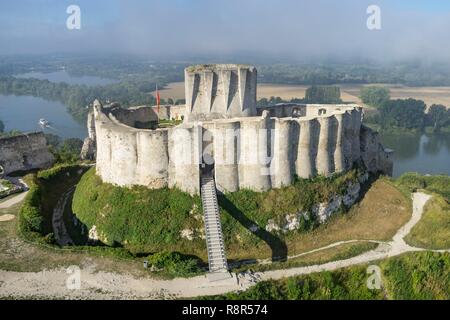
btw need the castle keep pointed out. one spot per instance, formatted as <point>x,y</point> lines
<point>224,133</point>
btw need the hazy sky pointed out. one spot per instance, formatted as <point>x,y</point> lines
<point>291,29</point>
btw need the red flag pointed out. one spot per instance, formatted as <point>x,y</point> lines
<point>158,98</point>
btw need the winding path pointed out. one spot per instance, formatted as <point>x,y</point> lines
<point>106,285</point>
<point>13,200</point>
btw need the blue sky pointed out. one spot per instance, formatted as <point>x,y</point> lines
<point>295,29</point>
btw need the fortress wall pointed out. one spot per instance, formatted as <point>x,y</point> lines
<point>281,164</point>
<point>91,126</point>
<point>324,160</point>
<point>256,153</point>
<point>347,140</point>
<point>254,161</point>
<point>89,144</point>
<point>123,156</point>
<point>128,156</point>
<point>374,157</point>
<point>312,110</point>
<point>340,163</point>
<point>104,151</point>
<point>369,149</point>
<point>226,155</point>
<point>24,152</point>
<point>184,158</point>
<point>130,116</point>
<point>305,165</point>
<point>220,91</point>
<point>152,158</point>
<point>356,126</point>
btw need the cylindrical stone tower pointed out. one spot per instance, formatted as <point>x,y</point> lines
<point>226,137</point>
<point>305,165</point>
<point>254,161</point>
<point>280,166</point>
<point>339,157</point>
<point>220,91</point>
<point>323,161</point>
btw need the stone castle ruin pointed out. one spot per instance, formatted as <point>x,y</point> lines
<point>225,134</point>
<point>226,143</point>
<point>24,152</point>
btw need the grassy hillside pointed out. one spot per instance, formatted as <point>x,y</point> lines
<point>410,276</point>
<point>439,184</point>
<point>147,221</point>
<point>139,218</point>
<point>433,230</point>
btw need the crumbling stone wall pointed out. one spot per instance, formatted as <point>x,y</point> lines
<point>255,153</point>
<point>24,152</point>
<point>220,91</point>
<point>221,123</point>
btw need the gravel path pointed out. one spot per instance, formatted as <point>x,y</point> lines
<point>106,285</point>
<point>12,201</point>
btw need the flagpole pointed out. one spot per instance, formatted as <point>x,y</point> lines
<point>157,99</point>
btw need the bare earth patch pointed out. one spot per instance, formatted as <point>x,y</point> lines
<point>382,211</point>
<point>6,217</point>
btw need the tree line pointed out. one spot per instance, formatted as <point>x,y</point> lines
<point>313,94</point>
<point>78,97</point>
<point>403,113</point>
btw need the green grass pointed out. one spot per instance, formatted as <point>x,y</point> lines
<point>345,284</point>
<point>45,190</point>
<point>5,187</point>
<point>412,276</point>
<point>34,227</point>
<point>422,276</point>
<point>165,123</point>
<point>439,184</point>
<point>344,251</point>
<point>433,229</point>
<point>144,220</point>
<point>140,219</point>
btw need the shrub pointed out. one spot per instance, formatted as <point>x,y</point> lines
<point>439,184</point>
<point>30,218</point>
<point>59,171</point>
<point>375,96</point>
<point>418,276</point>
<point>174,263</point>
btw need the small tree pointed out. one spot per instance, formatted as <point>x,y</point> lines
<point>2,126</point>
<point>437,117</point>
<point>323,94</point>
<point>375,96</point>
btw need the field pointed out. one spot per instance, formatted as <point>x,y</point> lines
<point>349,92</point>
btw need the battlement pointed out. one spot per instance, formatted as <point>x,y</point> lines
<point>220,91</point>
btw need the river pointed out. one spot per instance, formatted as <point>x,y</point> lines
<point>63,76</point>
<point>423,153</point>
<point>23,113</point>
